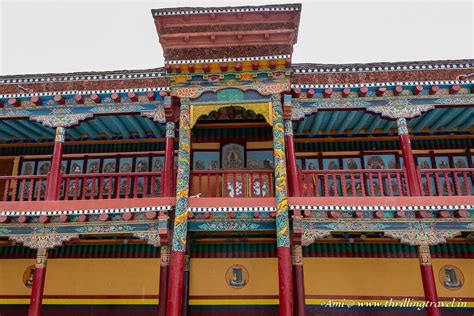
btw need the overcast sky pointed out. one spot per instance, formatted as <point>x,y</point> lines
<point>70,36</point>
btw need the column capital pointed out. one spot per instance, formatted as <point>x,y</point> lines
<point>41,257</point>
<point>297,255</point>
<point>424,255</point>
<point>288,128</point>
<point>170,129</point>
<point>402,126</point>
<point>165,256</point>
<point>60,134</point>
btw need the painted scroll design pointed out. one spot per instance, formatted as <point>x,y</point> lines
<point>61,120</point>
<point>282,221</point>
<point>422,237</point>
<point>400,108</point>
<point>288,128</point>
<point>46,240</point>
<point>182,182</point>
<point>262,88</point>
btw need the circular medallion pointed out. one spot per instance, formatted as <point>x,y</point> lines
<point>451,277</point>
<point>237,276</point>
<point>28,276</point>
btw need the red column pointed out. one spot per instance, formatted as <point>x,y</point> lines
<point>293,181</point>
<point>164,267</point>
<point>36,299</point>
<point>54,181</point>
<point>285,281</point>
<point>429,284</point>
<point>186,285</point>
<point>410,167</point>
<point>175,285</point>
<point>298,279</point>
<point>168,172</point>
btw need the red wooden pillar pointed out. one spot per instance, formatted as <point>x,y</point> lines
<point>298,279</point>
<point>39,276</point>
<point>429,284</point>
<point>54,181</point>
<point>168,172</point>
<point>408,159</point>
<point>164,267</point>
<point>186,285</point>
<point>293,181</point>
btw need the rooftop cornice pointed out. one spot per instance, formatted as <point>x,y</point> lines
<point>378,67</point>
<point>83,76</point>
<point>216,10</point>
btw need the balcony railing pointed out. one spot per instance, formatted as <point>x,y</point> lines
<point>110,185</point>
<point>23,188</point>
<point>232,183</point>
<point>447,181</point>
<point>376,182</point>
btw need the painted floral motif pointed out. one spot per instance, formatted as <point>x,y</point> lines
<point>228,226</point>
<point>353,225</point>
<point>104,229</point>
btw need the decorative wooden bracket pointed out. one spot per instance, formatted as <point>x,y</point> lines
<point>43,241</point>
<point>422,237</point>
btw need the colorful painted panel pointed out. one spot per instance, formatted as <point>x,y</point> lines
<point>311,164</point>
<point>233,156</point>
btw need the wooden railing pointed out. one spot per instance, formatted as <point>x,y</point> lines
<point>436,182</point>
<point>110,185</point>
<point>373,182</point>
<point>232,183</point>
<point>23,188</point>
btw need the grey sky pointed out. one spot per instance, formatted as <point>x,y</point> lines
<point>69,36</point>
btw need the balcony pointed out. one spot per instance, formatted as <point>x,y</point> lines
<point>384,182</point>
<point>240,183</point>
<point>232,183</point>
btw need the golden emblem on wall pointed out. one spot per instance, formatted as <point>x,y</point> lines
<point>451,277</point>
<point>237,276</point>
<point>28,276</point>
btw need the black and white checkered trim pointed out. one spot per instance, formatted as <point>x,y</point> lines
<point>266,209</point>
<point>66,78</point>
<point>322,69</point>
<point>381,208</point>
<point>89,92</point>
<point>90,212</point>
<point>380,84</point>
<point>225,10</point>
<point>223,60</point>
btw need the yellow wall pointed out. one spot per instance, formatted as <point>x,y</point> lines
<point>208,277</point>
<point>323,276</point>
<point>86,277</point>
<point>379,277</point>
